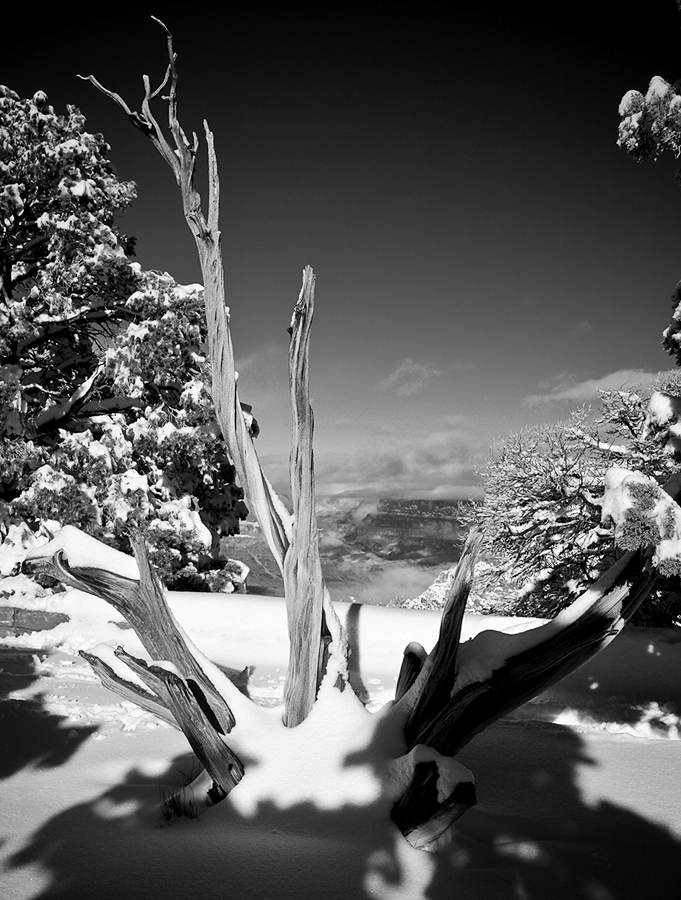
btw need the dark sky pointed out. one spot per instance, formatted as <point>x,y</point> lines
<point>485,254</point>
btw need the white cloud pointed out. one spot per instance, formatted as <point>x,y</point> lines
<point>439,464</point>
<point>586,391</point>
<point>408,378</point>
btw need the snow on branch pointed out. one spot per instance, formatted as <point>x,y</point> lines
<point>645,516</point>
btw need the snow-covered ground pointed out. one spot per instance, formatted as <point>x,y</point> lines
<point>579,792</point>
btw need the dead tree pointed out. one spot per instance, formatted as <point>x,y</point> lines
<point>442,700</point>
<point>292,538</point>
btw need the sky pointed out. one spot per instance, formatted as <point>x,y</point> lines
<point>486,257</point>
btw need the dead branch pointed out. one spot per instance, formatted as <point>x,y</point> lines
<point>459,709</point>
<point>143,604</point>
<point>303,582</point>
<point>294,547</point>
<point>196,719</point>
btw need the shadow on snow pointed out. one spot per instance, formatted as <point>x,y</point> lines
<point>532,837</point>
<point>29,734</point>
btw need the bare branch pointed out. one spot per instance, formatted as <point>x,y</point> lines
<point>304,586</point>
<point>128,690</point>
<point>143,604</point>
<point>214,181</point>
<point>195,719</point>
<point>441,666</point>
<point>313,626</point>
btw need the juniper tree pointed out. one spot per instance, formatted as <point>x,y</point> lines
<point>105,415</point>
<point>544,538</point>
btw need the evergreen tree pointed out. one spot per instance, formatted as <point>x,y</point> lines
<point>650,126</point>
<point>105,417</point>
<point>545,538</point>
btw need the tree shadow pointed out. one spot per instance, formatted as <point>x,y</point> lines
<point>533,836</point>
<point>116,847</point>
<point>535,825</point>
<point>536,833</point>
<point>31,735</point>
<point>634,683</point>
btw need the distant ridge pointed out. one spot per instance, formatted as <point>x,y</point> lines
<point>440,509</point>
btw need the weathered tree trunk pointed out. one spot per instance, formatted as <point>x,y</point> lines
<point>303,582</point>
<point>294,546</point>
<point>447,713</point>
<point>178,689</point>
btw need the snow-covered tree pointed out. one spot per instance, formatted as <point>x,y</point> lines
<point>651,126</point>
<point>105,417</point>
<point>544,538</point>
<point>64,265</point>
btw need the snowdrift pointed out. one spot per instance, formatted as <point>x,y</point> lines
<point>579,791</point>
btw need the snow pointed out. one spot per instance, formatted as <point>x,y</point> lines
<point>631,103</point>
<point>579,791</point>
<point>657,88</point>
<point>82,551</point>
<point>449,771</point>
<point>623,494</point>
<point>663,409</point>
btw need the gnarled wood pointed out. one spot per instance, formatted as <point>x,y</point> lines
<point>440,671</point>
<point>196,720</point>
<point>182,693</point>
<point>294,547</point>
<point>303,582</point>
<point>128,690</point>
<point>575,636</point>
<point>143,604</point>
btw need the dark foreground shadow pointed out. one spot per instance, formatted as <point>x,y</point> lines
<point>29,733</point>
<point>533,824</point>
<point>532,837</point>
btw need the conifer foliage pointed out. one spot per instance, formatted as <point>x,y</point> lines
<point>650,126</point>
<point>546,535</point>
<point>105,417</point>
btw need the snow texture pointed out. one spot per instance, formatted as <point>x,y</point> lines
<point>571,798</point>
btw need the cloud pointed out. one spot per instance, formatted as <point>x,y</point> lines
<point>582,328</point>
<point>441,464</point>
<point>408,378</point>
<point>586,391</point>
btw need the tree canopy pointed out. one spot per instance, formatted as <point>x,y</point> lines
<point>651,126</point>
<point>545,536</point>
<point>105,415</point>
